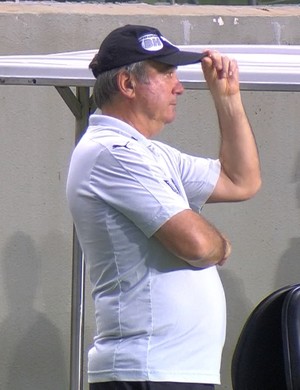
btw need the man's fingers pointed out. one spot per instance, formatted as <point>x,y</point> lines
<point>224,66</point>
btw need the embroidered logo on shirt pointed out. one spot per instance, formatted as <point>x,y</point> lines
<point>172,185</point>
<point>121,146</point>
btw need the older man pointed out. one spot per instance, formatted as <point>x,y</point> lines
<point>152,257</point>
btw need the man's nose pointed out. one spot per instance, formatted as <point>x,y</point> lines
<point>179,88</point>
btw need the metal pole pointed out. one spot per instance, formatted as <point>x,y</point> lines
<point>78,270</point>
<point>77,316</point>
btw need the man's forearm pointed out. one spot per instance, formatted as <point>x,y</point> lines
<point>238,152</point>
<point>193,239</point>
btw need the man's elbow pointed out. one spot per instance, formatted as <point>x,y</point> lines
<point>251,190</point>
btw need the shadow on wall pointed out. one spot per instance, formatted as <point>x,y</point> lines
<point>31,349</point>
<point>289,265</point>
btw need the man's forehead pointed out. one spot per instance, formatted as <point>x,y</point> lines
<point>160,66</point>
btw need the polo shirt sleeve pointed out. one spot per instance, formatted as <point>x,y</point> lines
<point>199,177</point>
<point>131,181</point>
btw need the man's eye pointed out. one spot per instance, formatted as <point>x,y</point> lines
<point>170,73</point>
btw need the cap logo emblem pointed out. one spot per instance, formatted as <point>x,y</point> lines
<point>151,42</point>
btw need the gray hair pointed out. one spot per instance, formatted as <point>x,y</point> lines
<point>106,86</point>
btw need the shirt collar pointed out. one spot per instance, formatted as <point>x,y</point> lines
<point>106,122</point>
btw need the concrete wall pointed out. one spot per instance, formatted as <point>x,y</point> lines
<point>37,137</point>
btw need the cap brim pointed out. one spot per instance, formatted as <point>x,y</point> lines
<point>181,58</point>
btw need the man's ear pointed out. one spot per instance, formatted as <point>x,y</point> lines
<point>126,84</point>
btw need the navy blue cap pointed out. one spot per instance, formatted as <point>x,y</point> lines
<point>134,43</point>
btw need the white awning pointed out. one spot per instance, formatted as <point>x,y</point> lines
<point>262,67</point>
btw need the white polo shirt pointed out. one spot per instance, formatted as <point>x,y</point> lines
<point>158,318</point>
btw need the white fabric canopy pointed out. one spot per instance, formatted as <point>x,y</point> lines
<point>262,67</point>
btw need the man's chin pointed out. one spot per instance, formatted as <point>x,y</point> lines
<point>170,118</point>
